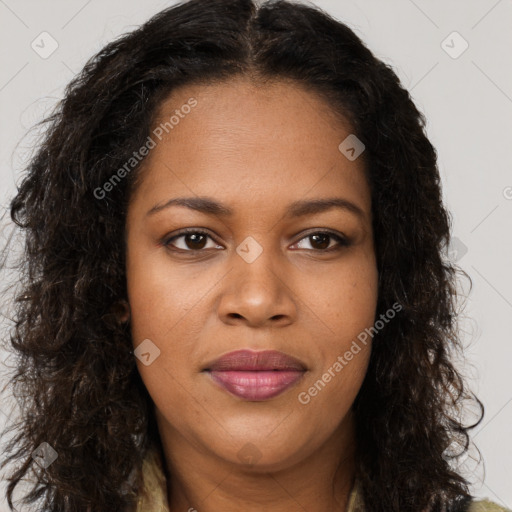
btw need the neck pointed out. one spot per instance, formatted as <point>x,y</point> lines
<point>202,480</point>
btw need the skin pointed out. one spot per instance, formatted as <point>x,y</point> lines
<point>255,148</point>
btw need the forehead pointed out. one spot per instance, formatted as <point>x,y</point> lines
<point>246,141</point>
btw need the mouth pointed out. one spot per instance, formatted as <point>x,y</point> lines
<point>256,376</point>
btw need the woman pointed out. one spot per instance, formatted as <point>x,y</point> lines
<point>235,295</point>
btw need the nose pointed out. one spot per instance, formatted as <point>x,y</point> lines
<point>257,293</point>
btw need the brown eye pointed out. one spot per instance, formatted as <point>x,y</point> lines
<point>320,241</point>
<point>191,241</point>
<point>195,241</point>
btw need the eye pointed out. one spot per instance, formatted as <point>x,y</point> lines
<point>320,241</point>
<point>193,240</point>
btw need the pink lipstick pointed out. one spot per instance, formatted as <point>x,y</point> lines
<point>256,375</point>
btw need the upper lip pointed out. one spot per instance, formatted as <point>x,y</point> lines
<point>248,360</point>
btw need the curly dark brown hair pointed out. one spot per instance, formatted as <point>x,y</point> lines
<point>76,379</point>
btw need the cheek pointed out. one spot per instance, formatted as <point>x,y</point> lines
<point>167,308</point>
<point>343,298</point>
<point>342,362</point>
<point>344,305</point>
<point>164,310</point>
<point>160,296</point>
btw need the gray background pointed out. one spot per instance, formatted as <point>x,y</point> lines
<point>466,98</point>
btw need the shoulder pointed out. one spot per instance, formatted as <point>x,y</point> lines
<point>356,504</point>
<point>486,506</point>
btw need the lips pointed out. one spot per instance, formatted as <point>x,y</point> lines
<point>256,375</point>
<point>248,360</point>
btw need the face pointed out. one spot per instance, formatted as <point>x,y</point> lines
<point>262,268</point>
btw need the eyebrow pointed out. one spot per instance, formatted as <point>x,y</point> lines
<point>300,208</point>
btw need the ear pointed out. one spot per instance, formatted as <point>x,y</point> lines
<point>121,310</point>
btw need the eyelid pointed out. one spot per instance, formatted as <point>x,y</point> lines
<point>342,239</point>
<point>324,231</point>
<point>165,241</point>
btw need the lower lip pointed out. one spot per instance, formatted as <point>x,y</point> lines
<point>256,385</point>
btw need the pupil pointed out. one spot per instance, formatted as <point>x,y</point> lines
<point>195,238</point>
<point>326,240</point>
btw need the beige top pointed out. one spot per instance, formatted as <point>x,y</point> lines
<point>155,497</point>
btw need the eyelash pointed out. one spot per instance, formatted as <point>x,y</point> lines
<point>342,241</point>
